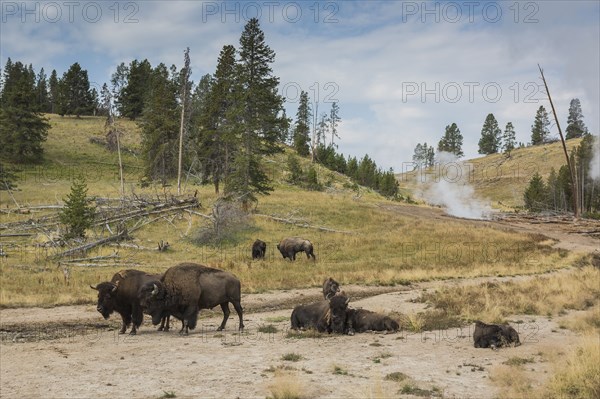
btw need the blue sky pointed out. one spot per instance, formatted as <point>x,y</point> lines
<point>400,70</point>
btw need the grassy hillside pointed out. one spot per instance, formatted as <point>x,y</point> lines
<point>377,242</point>
<point>497,178</point>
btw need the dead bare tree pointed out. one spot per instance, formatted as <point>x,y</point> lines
<point>562,139</point>
<point>184,84</point>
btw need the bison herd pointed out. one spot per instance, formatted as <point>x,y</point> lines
<point>183,290</point>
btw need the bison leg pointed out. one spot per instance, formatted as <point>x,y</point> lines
<point>126,318</point>
<point>137,318</point>
<point>164,324</point>
<point>190,317</point>
<point>239,311</point>
<point>226,312</point>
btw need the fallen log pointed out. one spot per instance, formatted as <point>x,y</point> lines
<point>83,248</point>
<point>303,224</point>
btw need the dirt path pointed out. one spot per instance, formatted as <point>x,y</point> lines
<point>84,356</point>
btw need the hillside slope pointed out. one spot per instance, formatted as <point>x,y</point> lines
<point>496,178</point>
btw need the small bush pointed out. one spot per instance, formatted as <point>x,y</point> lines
<point>291,357</point>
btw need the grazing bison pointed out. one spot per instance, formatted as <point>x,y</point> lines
<point>259,249</point>
<point>494,335</point>
<point>186,288</point>
<point>330,288</point>
<point>324,316</point>
<point>121,295</point>
<point>290,246</point>
<point>361,320</point>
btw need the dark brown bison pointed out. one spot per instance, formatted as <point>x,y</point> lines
<point>186,288</point>
<point>330,288</point>
<point>361,320</point>
<point>121,295</point>
<point>259,249</point>
<point>290,246</point>
<point>324,316</point>
<point>494,335</point>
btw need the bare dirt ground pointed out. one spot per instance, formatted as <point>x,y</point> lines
<point>71,352</point>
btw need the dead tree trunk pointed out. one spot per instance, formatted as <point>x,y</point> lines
<point>562,139</point>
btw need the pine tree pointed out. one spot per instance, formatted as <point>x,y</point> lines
<point>302,126</point>
<point>133,82</point>
<point>78,98</point>
<point>575,126</point>
<point>256,115</point>
<point>536,194</point>
<point>53,86</point>
<point>215,139</point>
<point>78,213</point>
<point>334,120</point>
<point>7,178</point>
<point>489,143</point>
<point>452,141</point>
<point>424,155</point>
<point>22,129</point>
<point>160,125</point>
<point>41,88</point>
<point>508,139</point>
<point>539,130</point>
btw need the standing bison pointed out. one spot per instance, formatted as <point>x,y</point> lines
<point>361,320</point>
<point>290,246</point>
<point>330,288</point>
<point>186,288</point>
<point>259,249</point>
<point>324,316</point>
<point>121,295</point>
<point>494,335</point>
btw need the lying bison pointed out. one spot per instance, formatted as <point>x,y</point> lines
<point>494,335</point>
<point>330,288</point>
<point>259,249</point>
<point>361,320</point>
<point>186,288</point>
<point>121,295</point>
<point>324,316</point>
<point>290,246</point>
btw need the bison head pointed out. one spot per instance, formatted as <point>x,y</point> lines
<point>330,288</point>
<point>338,305</point>
<point>107,293</point>
<point>152,299</point>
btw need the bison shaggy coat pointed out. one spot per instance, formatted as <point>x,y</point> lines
<point>494,335</point>
<point>361,320</point>
<point>259,249</point>
<point>290,246</point>
<point>323,316</point>
<point>121,295</point>
<point>186,288</point>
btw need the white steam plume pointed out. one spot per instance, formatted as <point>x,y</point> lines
<point>447,185</point>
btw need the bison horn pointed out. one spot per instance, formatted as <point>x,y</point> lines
<point>347,301</point>
<point>155,290</point>
<point>94,288</point>
<point>114,288</point>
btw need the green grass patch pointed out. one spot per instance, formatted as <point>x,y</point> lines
<point>291,357</point>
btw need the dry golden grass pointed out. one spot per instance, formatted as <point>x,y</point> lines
<point>286,386</point>
<point>542,295</point>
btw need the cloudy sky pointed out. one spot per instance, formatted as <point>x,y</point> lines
<point>400,70</point>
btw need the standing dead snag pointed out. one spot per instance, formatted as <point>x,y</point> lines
<point>562,139</point>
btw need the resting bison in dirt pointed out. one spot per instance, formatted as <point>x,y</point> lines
<point>290,246</point>
<point>494,335</point>
<point>361,320</point>
<point>259,249</point>
<point>330,288</point>
<point>186,288</point>
<point>121,295</point>
<point>324,316</point>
